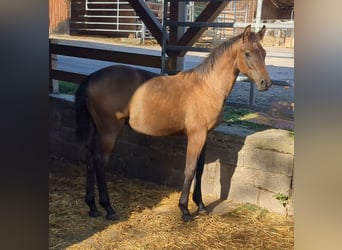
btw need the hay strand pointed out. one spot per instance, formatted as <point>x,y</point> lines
<point>150,219</point>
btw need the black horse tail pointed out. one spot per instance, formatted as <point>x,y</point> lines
<point>84,121</point>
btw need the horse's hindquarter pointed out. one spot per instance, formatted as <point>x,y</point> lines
<point>109,92</point>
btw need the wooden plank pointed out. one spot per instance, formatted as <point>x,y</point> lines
<point>66,76</point>
<point>106,55</point>
<point>209,14</point>
<point>150,20</point>
<point>58,10</point>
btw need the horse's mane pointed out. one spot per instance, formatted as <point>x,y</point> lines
<point>206,66</point>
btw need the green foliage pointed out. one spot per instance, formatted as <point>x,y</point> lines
<point>249,208</point>
<point>282,198</point>
<point>67,87</point>
<point>239,116</point>
<point>292,134</point>
<point>232,114</point>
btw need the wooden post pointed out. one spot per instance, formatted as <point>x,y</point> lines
<point>173,34</point>
<point>54,84</point>
<point>182,13</point>
<point>178,13</point>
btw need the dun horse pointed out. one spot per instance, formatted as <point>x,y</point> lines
<point>190,102</point>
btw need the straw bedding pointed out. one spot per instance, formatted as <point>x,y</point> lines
<point>150,219</point>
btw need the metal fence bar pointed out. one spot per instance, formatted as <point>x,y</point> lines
<point>284,25</point>
<point>199,24</point>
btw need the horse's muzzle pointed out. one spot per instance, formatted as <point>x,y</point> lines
<point>264,85</point>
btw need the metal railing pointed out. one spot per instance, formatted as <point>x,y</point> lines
<point>121,23</point>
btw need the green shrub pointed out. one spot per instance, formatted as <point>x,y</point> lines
<point>67,87</point>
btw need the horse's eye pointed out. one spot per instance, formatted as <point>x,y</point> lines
<point>247,54</point>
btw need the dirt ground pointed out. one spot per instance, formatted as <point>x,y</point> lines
<point>150,218</point>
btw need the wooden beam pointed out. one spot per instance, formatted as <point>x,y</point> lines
<point>66,76</point>
<point>106,55</point>
<point>209,14</point>
<point>149,19</point>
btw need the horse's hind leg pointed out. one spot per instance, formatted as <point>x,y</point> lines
<point>197,195</point>
<point>102,158</point>
<point>90,177</point>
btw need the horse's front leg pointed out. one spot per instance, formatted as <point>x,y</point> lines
<point>196,142</point>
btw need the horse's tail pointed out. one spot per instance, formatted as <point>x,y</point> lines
<point>84,121</point>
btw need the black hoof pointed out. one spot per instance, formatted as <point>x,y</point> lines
<point>112,217</point>
<point>94,213</point>
<point>187,217</point>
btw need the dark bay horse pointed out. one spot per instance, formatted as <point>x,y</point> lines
<point>190,103</point>
<point>99,96</point>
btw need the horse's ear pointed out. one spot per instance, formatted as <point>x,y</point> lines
<point>262,32</point>
<point>247,33</point>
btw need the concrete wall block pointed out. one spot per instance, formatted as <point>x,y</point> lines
<point>243,193</point>
<point>241,159</point>
<point>268,201</point>
<point>277,183</point>
<point>244,176</point>
<point>235,133</point>
<point>211,178</point>
<point>225,155</point>
<point>272,139</point>
<point>263,180</point>
<point>221,140</point>
<point>143,162</point>
<point>269,161</point>
<point>216,179</point>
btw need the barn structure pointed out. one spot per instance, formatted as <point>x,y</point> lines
<point>119,18</point>
<point>176,25</point>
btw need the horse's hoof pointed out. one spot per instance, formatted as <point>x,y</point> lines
<point>112,217</point>
<point>187,217</point>
<point>94,213</point>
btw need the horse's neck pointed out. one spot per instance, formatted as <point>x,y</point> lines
<point>223,74</point>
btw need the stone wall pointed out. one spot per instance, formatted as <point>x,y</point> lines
<point>265,169</point>
<point>241,164</point>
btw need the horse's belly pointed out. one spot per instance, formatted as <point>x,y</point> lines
<point>155,126</point>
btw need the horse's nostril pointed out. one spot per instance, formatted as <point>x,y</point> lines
<point>263,83</point>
